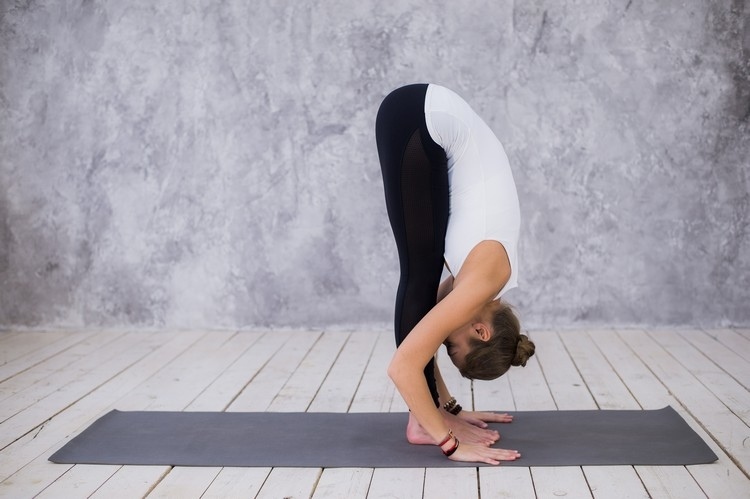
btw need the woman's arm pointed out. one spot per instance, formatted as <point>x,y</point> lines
<point>445,287</point>
<point>484,277</point>
<point>406,367</point>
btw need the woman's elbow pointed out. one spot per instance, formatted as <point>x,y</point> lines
<point>396,369</point>
<point>393,370</point>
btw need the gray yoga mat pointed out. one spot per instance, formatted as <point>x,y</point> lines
<point>373,440</point>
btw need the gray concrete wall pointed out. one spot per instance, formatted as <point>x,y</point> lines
<point>211,163</point>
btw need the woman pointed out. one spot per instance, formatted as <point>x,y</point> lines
<point>451,201</point>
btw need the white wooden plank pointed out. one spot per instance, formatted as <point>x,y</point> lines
<point>528,385</point>
<point>553,482</point>
<point>609,392</point>
<point>131,481</point>
<point>732,394</point>
<point>31,474</point>
<point>31,479</point>
<point>91,372</point>
<point>80,481</point>
<point>223,390</point>
<point>670,482</point>
<point>737,340</point>
<point>343,483</point>
<point>135,388</point>
<point>720,479</point>
<point>494,395</point>
<point>642,384</point>
<point>532,392</point>
<point>715,479</point>
<point>177,382</point>
<point>188,360</point>
<point>14,344</point>
<point>375,392</point>
<point>338,388</point>
<point>188,375</point>
<point>229,372</point>
<point>26,348</point>
<point>615,481</point>
<point>26,459</point>
<point>725,427</point>
<point>289,483</point>
<point>22,363</point>
<point>301,387</point>
<point>264,387</point>
<point>570,393</point>
<point>7,334</point>
<point>603,383</point>
<point>563,380</point>
<point>500,482</point>
<point>183,379</point>
<point>34,384</point>
<point>237,482</point>
<point>28,369</point>
<point>451,482</point>
<point>401,483</point>
<point>728,360</point>
<point>184,482</point>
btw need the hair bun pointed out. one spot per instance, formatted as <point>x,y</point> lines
<point>524,350</point>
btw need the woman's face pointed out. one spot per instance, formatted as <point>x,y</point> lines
<point>458,344</point>
<point>461,341</point>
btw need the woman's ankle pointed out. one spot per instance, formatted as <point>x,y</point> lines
<point>415,434</point>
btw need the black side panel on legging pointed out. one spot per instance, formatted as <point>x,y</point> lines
<point>415,177</point>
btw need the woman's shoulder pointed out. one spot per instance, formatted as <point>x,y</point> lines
<point>487,266</point>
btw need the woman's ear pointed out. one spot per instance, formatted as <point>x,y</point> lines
<point>482,331</point>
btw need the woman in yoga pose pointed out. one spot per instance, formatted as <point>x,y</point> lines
<point>451,202</point>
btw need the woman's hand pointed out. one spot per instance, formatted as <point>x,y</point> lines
<point>470,432</point>
<point>480,419</point>
<point>473,453</point>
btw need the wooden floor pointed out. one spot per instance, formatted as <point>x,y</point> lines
<point>54,384</point>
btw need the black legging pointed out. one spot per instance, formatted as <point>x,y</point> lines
<point>415,176</point>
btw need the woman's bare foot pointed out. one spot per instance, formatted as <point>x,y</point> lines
<point>466,432</point>
<point>415,434</point>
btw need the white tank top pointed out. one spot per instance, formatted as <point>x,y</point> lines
<point>483,198</point>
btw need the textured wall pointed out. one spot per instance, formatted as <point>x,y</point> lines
<point>211,163</point>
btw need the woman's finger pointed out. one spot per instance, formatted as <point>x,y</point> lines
<point>474,453</point>
<point>468,432</point>
<point>475,421</point>
<point>474,435</point>
<point>492,417</point>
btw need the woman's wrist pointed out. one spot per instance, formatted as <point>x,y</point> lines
<point>449,445</point>
<point>452,406</point>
